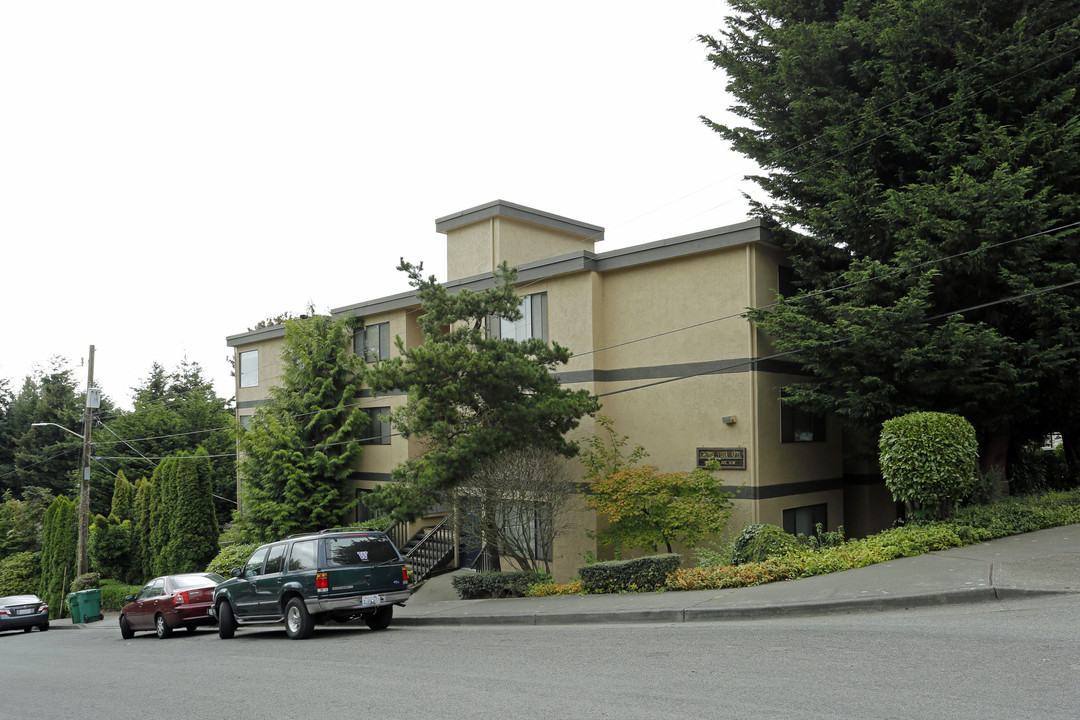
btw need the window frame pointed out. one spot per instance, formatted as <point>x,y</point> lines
<point>363,346</point>
<point>377,416</point>
<point>793,422</point>
<point>533,315</point>
<point>248,369</point>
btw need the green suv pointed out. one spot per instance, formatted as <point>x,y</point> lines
<point>337,574</point>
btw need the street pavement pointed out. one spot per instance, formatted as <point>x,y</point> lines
<point>1037,563</point>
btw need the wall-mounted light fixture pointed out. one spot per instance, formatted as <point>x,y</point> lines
<point>728,419</point>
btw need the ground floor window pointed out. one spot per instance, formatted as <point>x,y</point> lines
<point>804,520</point>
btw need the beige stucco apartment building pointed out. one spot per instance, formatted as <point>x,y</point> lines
<point>657,335</point>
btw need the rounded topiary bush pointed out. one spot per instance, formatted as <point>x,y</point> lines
<point>231,556</point>
<point>759,542</point>
<point>929,460</point>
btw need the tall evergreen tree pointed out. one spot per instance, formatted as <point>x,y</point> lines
<point>175,412</point>
<point>162,501</point>
<point>142,557</point>
<point>193,528</point>
<point>302,446</point>
<point>58,553</point>
<point>919,159</point>
<point>471,396</point>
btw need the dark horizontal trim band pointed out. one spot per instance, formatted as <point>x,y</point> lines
<point>771,492</point>
<point>655,372</point>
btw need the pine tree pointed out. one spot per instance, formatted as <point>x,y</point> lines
<point>471,396</point>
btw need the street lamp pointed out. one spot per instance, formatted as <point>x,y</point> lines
<point>84,493</point>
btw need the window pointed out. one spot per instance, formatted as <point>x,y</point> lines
<point>785,281</point>
<point>254,565</point>
<point>302,556</point>
<point>359,550</point>
<point>275,561</point>
<point>363,512</point>
<point>533,322</point>
<point>804,520</point>
<point>249,368</point>
<point>152,589</point>
<point>373,342</point>
<point>378,431</point>
<point>527,526</point>
<point>797,425</point>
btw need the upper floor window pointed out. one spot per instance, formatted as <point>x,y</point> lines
<point>378,432</point>
<point>373,342</point>
<point>249,368</point>
<point>533,322</point>
<point>797,425</point>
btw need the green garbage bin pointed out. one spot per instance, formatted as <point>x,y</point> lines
<point>90,601</point>
<point>85,606</point>
<point>75,607</point>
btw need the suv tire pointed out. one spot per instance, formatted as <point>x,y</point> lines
<point>226,624</point>
<point>298,622</point>
<point>380,619</point>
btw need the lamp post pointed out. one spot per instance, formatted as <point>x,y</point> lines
<point>92,401</point>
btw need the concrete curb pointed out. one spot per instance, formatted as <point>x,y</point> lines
<point>698,614</point>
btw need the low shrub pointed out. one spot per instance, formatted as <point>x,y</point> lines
<point>231,556</point>
<point>970,525</point>
<point>550,589</point>
<point>474,586</point>
<point>644,574</point>
<point>86,581</point>
<point>113,594</point>
<point>759,542</point>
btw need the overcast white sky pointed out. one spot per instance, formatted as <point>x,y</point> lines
<point>173,172</point>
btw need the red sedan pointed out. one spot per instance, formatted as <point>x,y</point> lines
<point>168,602</point>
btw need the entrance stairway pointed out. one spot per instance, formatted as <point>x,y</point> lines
<point>428,551</point>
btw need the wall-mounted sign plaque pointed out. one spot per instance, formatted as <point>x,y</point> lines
<point>728,458</point>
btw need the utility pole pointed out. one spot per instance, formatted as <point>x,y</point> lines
<point>92,401</point>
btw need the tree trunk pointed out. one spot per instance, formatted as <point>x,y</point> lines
<point>993,456</point>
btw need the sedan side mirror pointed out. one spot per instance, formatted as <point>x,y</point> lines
<point>129,598</point>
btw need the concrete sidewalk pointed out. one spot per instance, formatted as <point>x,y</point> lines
<point>1046,561</point>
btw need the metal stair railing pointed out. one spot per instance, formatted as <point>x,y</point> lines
<point>433,550</point>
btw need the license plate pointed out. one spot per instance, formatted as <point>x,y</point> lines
<point>24,611</point>
<point>367,600</point>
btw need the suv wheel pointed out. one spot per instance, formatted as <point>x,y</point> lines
<point>380,619</point>
<point>226,623</point>
<point>298,622</point>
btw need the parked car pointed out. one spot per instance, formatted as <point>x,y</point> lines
<point>305,580</point>
<point>24,612</point>
<point>169,602</point>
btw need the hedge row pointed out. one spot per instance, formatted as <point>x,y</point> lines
<point>645,574</point>
<point>473,586</point>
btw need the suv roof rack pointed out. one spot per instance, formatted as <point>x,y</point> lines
<point>330,530</point>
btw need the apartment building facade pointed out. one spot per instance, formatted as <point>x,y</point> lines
<point>657,335</point>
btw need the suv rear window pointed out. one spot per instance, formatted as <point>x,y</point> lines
<point>359,550</point>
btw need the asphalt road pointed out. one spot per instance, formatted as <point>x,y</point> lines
<point>1019,659</point>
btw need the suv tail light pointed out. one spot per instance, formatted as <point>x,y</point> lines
<point>404,575</point>
<point>322,581</point>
